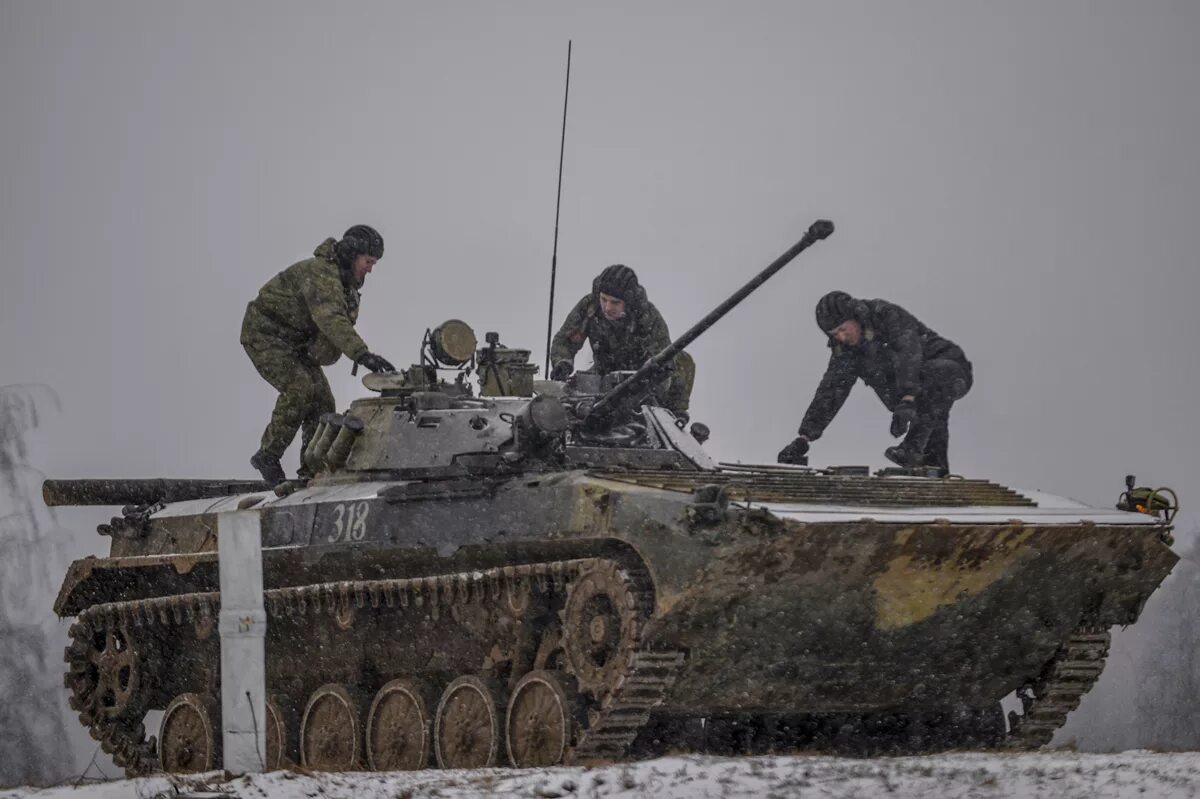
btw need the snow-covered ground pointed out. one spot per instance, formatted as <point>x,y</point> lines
<point>1052,774</point>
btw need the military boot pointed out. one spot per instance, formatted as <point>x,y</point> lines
<point>902,457</point>
<point>269,467</point>
<point>911,451</point>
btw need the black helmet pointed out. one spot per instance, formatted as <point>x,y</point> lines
<point>836,307</point>
<point>359,240</point>
<point>617,281</point>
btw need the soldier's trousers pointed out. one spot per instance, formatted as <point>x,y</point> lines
<point>943,382</point>
<point>679,392</point>
<point>304,394</point>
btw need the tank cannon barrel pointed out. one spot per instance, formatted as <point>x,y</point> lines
<point>141,492</point>
<point>607,403</point>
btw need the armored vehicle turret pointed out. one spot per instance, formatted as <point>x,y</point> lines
<point>491,570</point>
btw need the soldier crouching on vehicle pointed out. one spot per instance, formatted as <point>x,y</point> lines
<point>625,330</point>
<point>917,373</point>
<point>301,320</point>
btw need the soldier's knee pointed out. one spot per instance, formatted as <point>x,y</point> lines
<point>685,372</point>
<point>301,390</point>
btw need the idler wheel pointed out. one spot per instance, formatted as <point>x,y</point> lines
<point>599,627</point>
<point>330,730</point>
<point>398,728</point>
<point>466,726</point>
<point>188,738</point>
<point>540,719</point>
<point>110,676</point>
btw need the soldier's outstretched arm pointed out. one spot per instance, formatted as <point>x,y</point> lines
<point>322,291</point>
<point>570,337</point>
<point>831,394</point>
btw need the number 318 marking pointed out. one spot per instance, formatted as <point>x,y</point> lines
<point>349,521</point>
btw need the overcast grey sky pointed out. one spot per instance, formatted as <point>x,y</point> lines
<point>1023,176</point>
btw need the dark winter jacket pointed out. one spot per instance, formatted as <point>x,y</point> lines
<point>894,345</point>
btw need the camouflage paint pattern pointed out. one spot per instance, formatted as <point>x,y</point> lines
<point>774,614</point>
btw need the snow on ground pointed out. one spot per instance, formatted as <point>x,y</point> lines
<point>957,776</point>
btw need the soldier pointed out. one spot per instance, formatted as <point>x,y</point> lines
<point>625,330</point>
<point>917,373</point>
<point>301,320</point>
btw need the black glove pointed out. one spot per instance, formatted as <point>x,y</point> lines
<point>904,414</point>
<point>562,370</point>
<point>795,453</point>
<point>376,363</point>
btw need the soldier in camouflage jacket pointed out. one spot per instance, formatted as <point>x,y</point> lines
<point>301,320</point>
<point>916,373</point>
<point>625,330</point>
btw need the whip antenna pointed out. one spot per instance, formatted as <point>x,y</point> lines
<point>557,205</point>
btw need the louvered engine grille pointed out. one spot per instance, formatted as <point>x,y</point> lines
<point>768,484</point>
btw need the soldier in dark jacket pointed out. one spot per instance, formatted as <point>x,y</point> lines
<point>301,320</point>
<point>917,373</point>
<point>625,330</point>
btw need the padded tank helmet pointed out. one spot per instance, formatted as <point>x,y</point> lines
<point>838,306</point>
<point>359,240</point>
<point>617,281</point>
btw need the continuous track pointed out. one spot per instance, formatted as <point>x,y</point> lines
<point>113,659</point>
<point>117,654</point>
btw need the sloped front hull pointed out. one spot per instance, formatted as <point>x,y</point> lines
<point>868,616</point>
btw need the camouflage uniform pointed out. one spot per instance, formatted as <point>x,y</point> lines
<point>898,356</point>
<point>625,344</point>
<point>301,320</point>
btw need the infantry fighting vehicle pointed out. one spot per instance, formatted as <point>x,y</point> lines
<point>533,574</point>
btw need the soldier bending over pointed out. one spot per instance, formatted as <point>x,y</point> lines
<point>917,373</point>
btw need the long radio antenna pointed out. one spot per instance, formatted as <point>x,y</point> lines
<point>557,205</point>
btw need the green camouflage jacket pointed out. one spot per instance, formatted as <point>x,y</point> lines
<point>308,307</point>
<point>622,345</point>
